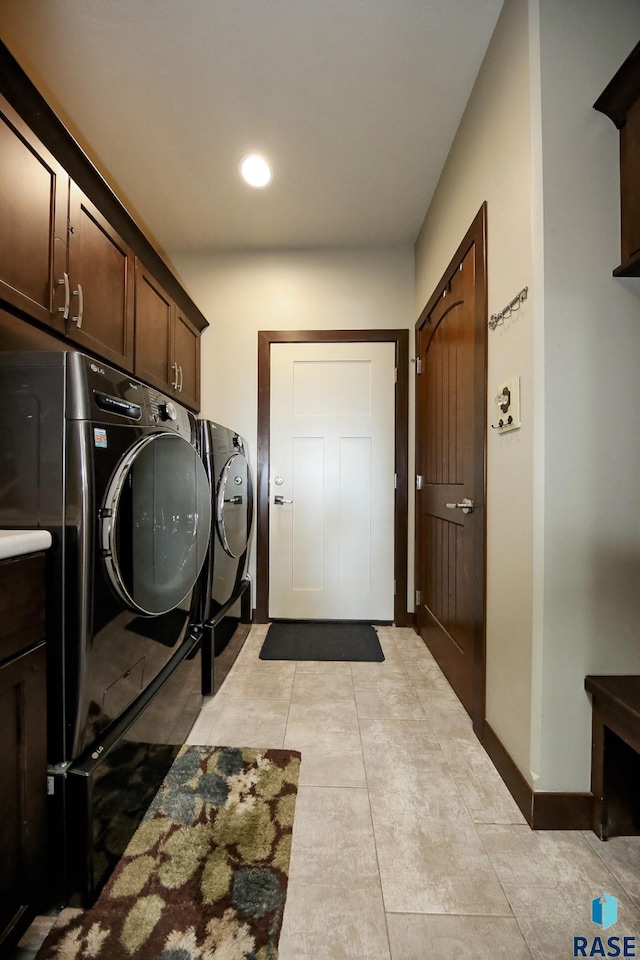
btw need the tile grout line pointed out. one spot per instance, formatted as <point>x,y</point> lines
<point>466,806</point>
<point>506,895</point>
<point>373,829</point>
<point>615,876</point>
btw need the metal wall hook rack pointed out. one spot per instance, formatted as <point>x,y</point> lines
<point>505,313</point>
<point>501,424</point>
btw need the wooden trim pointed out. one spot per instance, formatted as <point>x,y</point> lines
<point>562,811</point>
<point>515,783</point>
<point>401,533</point>
<point>24,97</point>
<point>262,491</point>
<point>401,339</point>
<point>476,236</point>
<point>476,233</point>
<point>543,810</point>
<point>479,232</point>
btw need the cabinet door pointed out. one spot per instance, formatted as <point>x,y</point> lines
<point>23,788</point>
<point>186,353</point>
<point>154,313</point>
<point>33,222</point>
<point>100,268</point>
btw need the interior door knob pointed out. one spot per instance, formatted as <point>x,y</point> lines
<point>280,500</point>
<point>466,506</point>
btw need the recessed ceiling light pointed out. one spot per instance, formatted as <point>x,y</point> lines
<point>255,170</point>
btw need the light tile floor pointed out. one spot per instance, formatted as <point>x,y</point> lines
<point>406,842</point>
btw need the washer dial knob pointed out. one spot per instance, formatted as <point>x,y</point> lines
<point>167,411</point>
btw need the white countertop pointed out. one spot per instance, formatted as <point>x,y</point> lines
<point>15,543</point>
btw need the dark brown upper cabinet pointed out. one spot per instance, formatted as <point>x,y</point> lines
<point>34,192</point>
<point>167,344</point>
<point>620,101</point>
<point>61,262</point>
<point>69,249</point>
<point>100,284</point>
<point>186,352</point>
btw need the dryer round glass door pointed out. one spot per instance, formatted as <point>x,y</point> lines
<point>156,523</point>
<point>234,505</point>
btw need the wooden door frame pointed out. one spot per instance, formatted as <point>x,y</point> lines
<point>400,338</point>
<point>477,234</point>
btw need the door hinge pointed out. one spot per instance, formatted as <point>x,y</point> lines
<point>395,481</point>
<point>395,588</point>
<point>395,375</point>
<point>418,598</point>
<point>419,481</point>
<point>418,365</point>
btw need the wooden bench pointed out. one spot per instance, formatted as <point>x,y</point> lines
<point>615,754</point>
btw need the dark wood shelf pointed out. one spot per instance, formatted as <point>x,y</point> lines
<point>621,696</point>
<point>631,268</point>
<point>620,101</point>
<point>622,91</point>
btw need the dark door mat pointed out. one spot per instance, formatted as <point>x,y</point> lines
<point>321,640</point>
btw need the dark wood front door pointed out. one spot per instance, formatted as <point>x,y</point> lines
<point>450,454</point>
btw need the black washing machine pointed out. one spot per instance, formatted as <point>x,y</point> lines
<point>224,591</point>
<point>111,468</point>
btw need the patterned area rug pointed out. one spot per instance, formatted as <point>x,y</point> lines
<point>204,877</point>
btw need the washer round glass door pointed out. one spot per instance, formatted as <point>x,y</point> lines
<point>156,523</point>
<point>234,505</point>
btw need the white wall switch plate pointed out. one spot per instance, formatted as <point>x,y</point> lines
<point>507,406</point>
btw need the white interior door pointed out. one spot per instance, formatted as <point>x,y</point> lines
<point>332,464</point>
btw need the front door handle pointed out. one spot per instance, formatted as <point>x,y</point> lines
<point>280,500</point>
<point>466,506</point>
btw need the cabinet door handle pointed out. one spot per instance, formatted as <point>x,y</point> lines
<point>78,293</point>
<point>174,383</point>
<point>67,296</point>
<point>180,387</point>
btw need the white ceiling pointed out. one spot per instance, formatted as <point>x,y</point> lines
<point>354,102</point>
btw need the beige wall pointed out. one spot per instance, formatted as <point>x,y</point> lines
<point>563,552</point>
<point>491,159</point>
<point>293,290</point>
<point>592,358</point>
